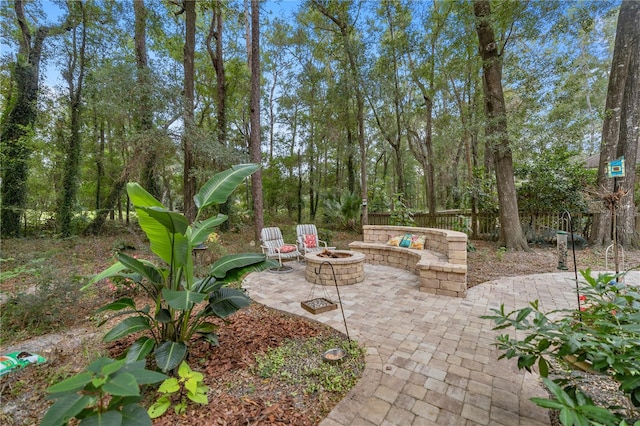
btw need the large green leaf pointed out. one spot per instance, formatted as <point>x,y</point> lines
<point>159,237</point>
<point>147,270</point>
<point>226,301</point>
<point>205,285</point>
<point>107,418</point>
<point>201,230</point>
<point>111,271</point>
<point>163,316</point>
<point>145,377</point>
<point>170,354</point>
<point>182,252</point>
<point>236,275</point>
<point>123,384</point>
<point>126,327</point>
<point>219,187</point>
<point>174,236</point>
<point>206,327</point>
<point>182,299</point>
<point>99,364</point>
<point>72,384</point>
<point>175,222</point>
<point>226,263</point>
<point>135,415</point>
<point>111,368</point>
<point>159,407</point>
<point>65,409</point>
<point>140,349</point>
<point>118,305</point>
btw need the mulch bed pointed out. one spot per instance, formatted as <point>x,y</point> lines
<point>239,397</point>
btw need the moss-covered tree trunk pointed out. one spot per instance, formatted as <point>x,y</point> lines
<point>189,180</point>
<point>18,119</point>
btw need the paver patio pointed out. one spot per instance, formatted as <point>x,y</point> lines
<point>430,359</point>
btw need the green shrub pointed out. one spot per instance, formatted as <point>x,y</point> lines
<point>553,181</point>
<point>108,393</point>
<point>343,210</point>
<point>401,215</point>
<point>604,333</point>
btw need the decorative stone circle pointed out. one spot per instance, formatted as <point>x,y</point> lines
<point>348,269</point>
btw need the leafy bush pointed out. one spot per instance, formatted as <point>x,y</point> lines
<point>401,215</point>
<point>183,302</point>
<point>604,333</point>
<point>553,182</point>
<point>483,191</point>
<point>343,209</point>
<point>108,392</point>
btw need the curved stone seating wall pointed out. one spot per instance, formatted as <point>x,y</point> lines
<point>441,266</point>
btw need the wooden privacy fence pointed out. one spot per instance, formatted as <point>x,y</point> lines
<point>538,227</point>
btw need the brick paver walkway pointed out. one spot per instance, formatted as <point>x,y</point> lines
<point>430,359</point>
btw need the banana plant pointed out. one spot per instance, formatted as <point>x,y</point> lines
<point>183,303</point>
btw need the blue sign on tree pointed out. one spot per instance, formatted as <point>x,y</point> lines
<point>615,168</point>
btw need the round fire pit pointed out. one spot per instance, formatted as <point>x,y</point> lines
<point>347,265</point>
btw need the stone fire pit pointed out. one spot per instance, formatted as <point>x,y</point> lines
<point>347,265</point>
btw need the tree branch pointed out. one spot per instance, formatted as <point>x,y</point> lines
<point>25,41</point>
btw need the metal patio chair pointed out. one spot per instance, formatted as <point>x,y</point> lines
<point>308,240</point>
<point>274,247</point>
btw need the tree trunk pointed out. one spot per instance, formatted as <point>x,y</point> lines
<point>311,160</point>
<point>466,106</point>
<point>189,181</point>
<point>217,60</point>
<point>272,114</point>
<point>425,150</point>
<point>19,117</point>
<point>254,141</point>
<point>71,170</point>
<point>99,161</point>
<point>143,111</point>
<point>110,203</point>
<point>299,188</point>
<point>626,43</point>
<point>629,135</point>
<point>511,235</point>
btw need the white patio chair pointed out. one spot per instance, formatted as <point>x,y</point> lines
<point>308,240</point>
<point>274,247</point>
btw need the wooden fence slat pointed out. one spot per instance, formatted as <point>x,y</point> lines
<point>541,226</point>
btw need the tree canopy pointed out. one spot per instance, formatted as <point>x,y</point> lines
<point>384,101</point>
